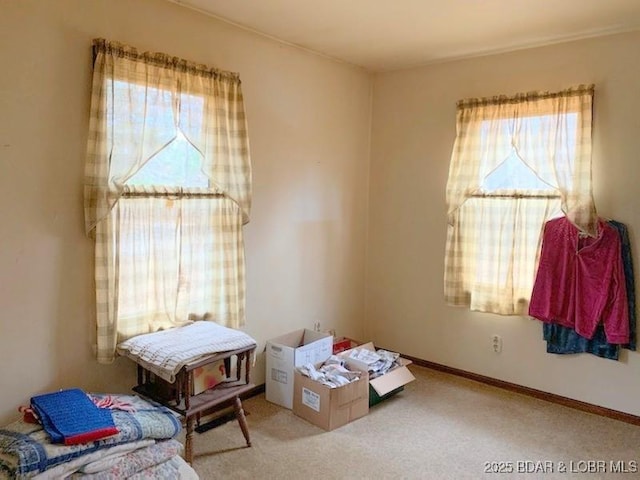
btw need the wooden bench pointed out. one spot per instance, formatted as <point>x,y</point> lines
<point>179,396</point>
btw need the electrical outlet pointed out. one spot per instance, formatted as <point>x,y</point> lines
<point>496,342</point>
<point>316,326</point>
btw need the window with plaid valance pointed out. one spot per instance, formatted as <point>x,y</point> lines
<point>517,162</point>
<point>167,192</point>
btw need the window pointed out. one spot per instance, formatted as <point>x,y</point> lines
<point>167,191</point>
<point>516,163</point>
<point>177,165</point>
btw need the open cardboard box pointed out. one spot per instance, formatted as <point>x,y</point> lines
<point>285,353</point>
<point>330,408</point>
<point>385,385</point>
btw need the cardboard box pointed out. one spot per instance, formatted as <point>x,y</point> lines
<point>330,408</point>
<point>287,352</point>
<point>208,376</point>
<point>385,385</point>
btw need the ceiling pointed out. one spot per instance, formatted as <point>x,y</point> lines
<point>382,35</point>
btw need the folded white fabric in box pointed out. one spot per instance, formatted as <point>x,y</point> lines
<point>331,373</point>
<point>378,362</point>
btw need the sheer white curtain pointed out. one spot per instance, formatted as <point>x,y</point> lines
<point>167,191</point>
<point>517,162</point>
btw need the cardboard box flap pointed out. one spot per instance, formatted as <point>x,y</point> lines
<point>288,351</point>
<point>404,361</point>
<point>309,336</point>
<point>317,351</point>
<point>370,346</point>
<point>366,346</point>
<point>391,380</point>
<point>279,347</point>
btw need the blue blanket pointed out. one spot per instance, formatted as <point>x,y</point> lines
<point>70,417</point>
<point>26,449</point>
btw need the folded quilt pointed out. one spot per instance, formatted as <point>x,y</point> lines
<point>70,417</point>
<point>63,470</point>
<point>131,463</point>
<point>169,470</point>
<point>185,471</point>
<point>109,458</point>
<point>166,352</point>
<point>26,449</point>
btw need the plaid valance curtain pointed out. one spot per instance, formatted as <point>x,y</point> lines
<point>167,190</point>
<point>516,162</point>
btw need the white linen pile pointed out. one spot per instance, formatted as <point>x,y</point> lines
<point>331,373</point>
<point>165,352</point>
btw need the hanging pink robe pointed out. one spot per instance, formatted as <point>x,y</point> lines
<point>580,281</point>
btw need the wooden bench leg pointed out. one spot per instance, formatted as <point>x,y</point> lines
<point>188,447</point>
<point>242,420</point>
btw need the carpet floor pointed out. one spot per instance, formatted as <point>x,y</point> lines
<point>440,427</point>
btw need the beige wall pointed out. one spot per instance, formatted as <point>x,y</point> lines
<point>413,132</point>
<point>309,121</point>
